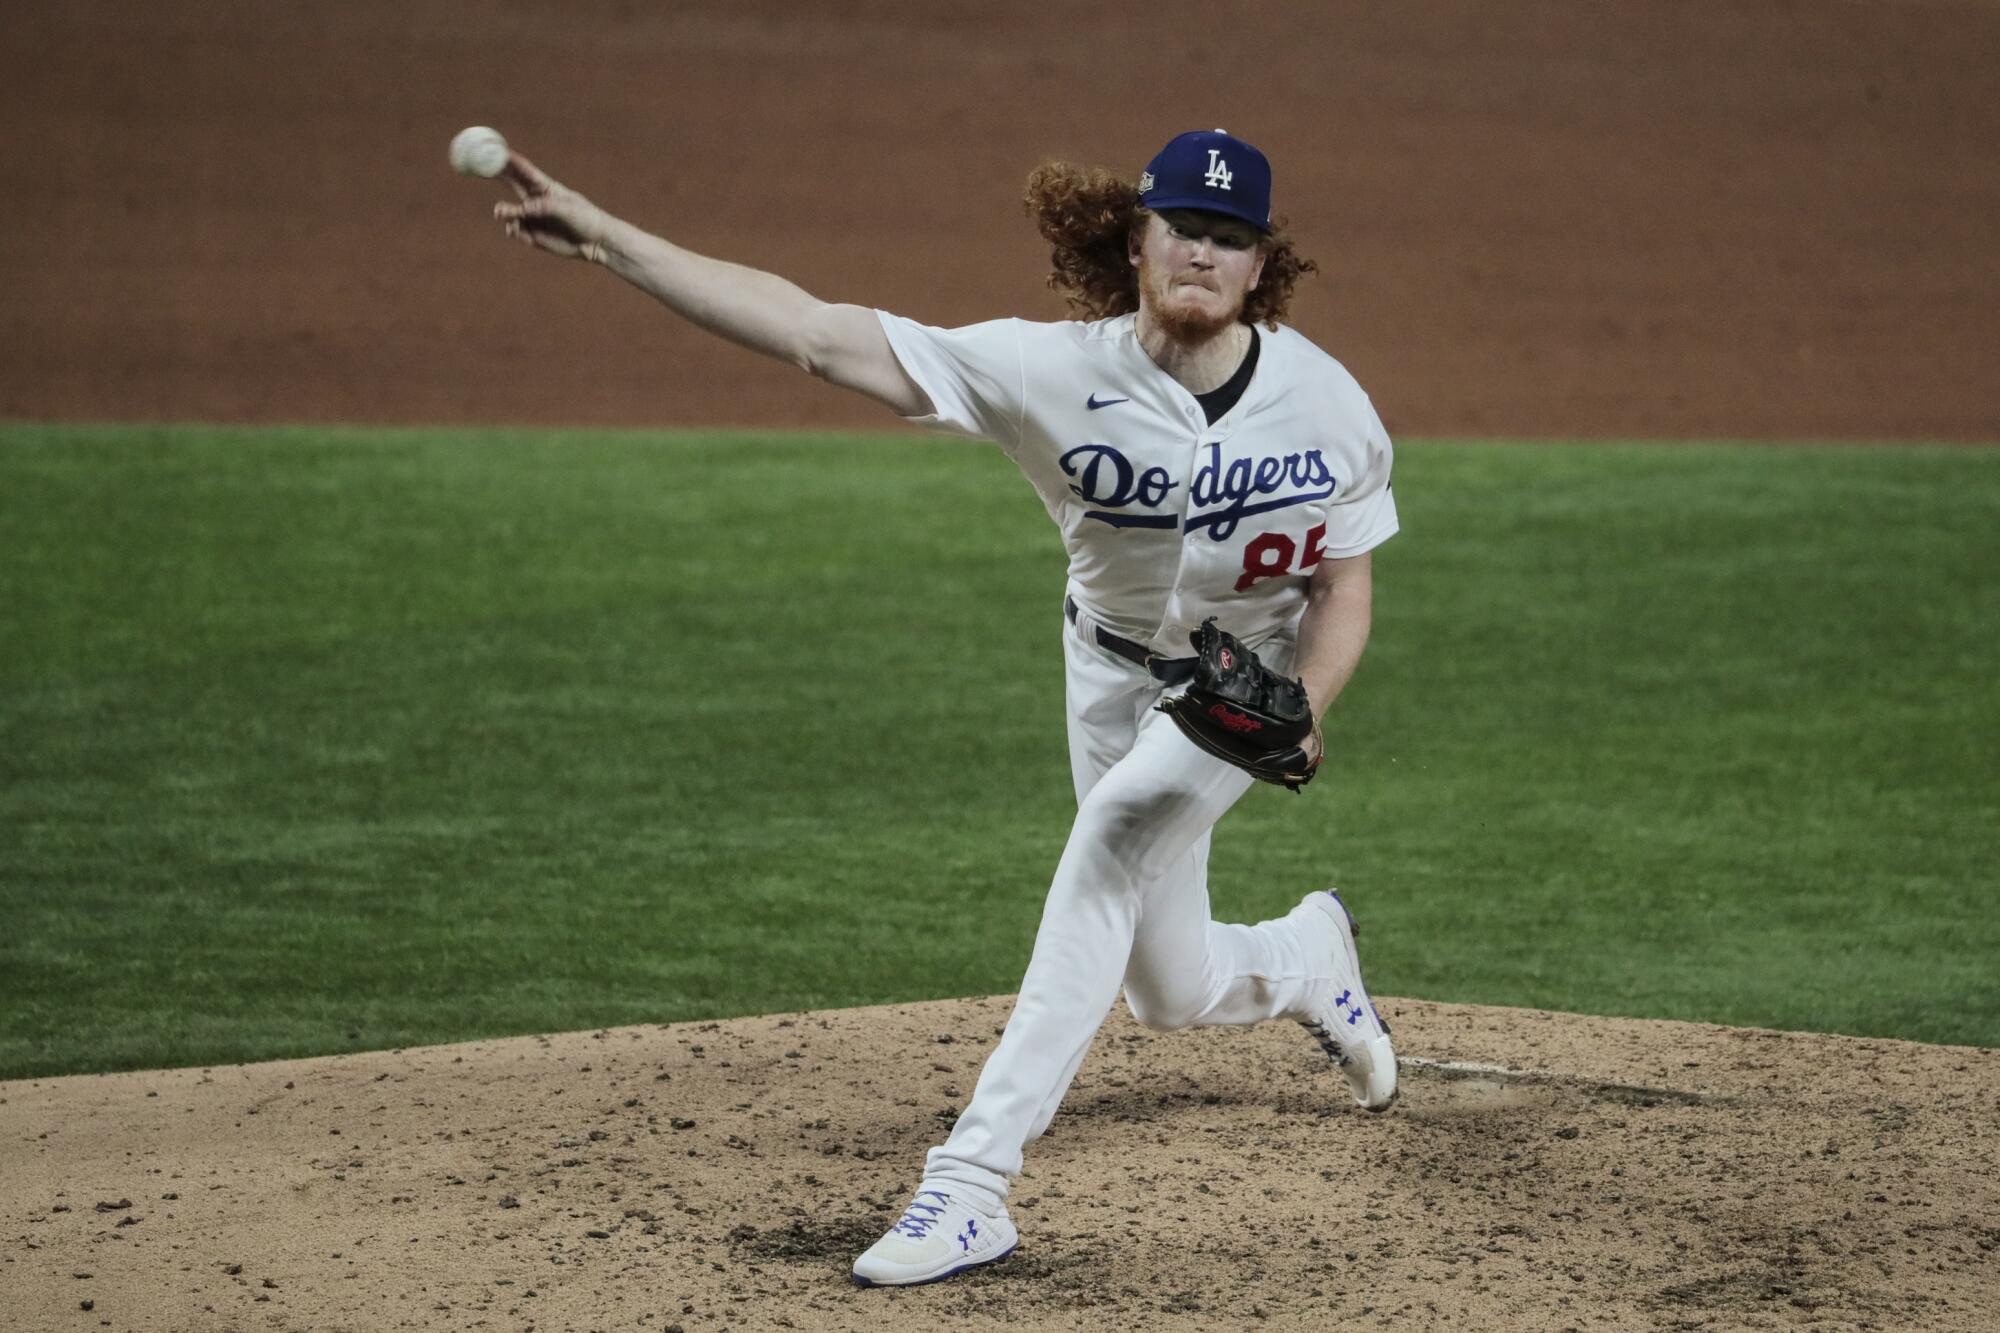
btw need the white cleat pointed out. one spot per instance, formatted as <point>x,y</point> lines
<point>936,1237</point>
<point>1345,1022</point>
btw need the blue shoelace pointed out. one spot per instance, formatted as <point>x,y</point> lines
<point>915,1227</point>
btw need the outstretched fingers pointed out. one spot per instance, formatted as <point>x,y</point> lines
<point>509,217</point>
<point>519,219</point>
<point>544,214</point>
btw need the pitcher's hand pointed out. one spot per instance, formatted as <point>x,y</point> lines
<point>550,216</point>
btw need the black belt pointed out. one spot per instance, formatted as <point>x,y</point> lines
<point>1167,670</point>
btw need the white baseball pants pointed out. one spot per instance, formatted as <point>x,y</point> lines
<point>1128,906</point>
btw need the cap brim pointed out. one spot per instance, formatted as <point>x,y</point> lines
<point>1202,204</point>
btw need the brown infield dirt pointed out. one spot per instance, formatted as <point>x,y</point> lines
<point>1761,220</point>
<point>1541,1171</point>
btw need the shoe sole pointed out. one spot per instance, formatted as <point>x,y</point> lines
<point>1377,1046</point>
<point>861,1281</point>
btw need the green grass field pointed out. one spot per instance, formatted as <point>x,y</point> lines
<point>321,740</point>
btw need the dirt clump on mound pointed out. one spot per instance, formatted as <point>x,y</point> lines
<point>1541,1171</point>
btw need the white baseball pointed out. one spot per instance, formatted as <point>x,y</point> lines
<point>478,151</point>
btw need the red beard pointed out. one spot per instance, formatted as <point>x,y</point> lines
<point>1182,323</point>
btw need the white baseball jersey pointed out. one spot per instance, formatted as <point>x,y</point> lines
<point>1167,519</point>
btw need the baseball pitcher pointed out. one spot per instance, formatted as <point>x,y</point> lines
<point>1219,483</point>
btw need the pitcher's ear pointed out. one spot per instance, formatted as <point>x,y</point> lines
<point>1135,238</point>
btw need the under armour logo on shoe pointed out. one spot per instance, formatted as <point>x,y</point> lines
<point>967,1236</point>
<point>1345,1000</point>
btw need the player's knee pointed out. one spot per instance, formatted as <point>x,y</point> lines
<point>1161,1012</point>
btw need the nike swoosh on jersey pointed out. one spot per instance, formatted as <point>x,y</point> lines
<point>1093,403</point>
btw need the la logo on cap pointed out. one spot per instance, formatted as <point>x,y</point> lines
<point>1218,176</point>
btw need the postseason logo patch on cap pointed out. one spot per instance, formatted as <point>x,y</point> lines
<point>1211,170</point>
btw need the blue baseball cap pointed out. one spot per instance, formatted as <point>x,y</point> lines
<point>1212,170</point>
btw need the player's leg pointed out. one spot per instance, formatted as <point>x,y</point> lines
<point>1106,700</point>
<point>1137,822</point>
<point>1187,969</point>
<point>958,1217</point>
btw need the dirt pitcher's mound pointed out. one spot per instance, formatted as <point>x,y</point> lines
<point>1541,1171</point>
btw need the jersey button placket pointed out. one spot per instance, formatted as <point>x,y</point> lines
<point>1174,619</point>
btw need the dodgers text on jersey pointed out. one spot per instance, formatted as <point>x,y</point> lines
<point>1221,496</point>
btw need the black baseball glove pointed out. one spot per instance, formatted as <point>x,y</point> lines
<point>1244,713</point>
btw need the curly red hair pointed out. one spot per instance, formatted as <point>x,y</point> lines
<point>1088,216</point>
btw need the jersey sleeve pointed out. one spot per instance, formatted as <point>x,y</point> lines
<point>973,375</point>
<point>1365,514</point>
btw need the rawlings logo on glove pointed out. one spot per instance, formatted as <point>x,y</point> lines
<point>1244,713</point>
<point>1234,720</point>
